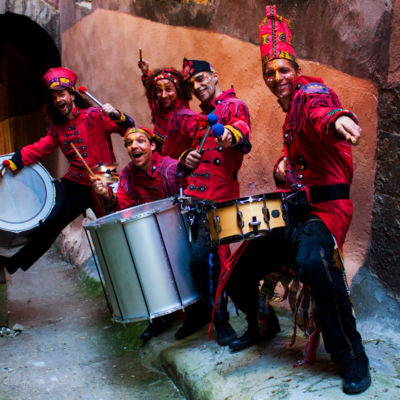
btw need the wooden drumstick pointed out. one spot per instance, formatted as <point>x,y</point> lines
<point>353,140</point>
<point>140,55</point>
<point>83,161</point>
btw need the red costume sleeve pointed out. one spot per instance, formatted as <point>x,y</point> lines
<point>36,151</point>
<point>124,200</point>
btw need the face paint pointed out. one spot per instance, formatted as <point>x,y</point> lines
<point>275,66</point>
<point>166,93</point>
<point>203,86</point>
<point>278,76</point>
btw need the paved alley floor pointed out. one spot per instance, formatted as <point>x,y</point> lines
<point>69,349</point>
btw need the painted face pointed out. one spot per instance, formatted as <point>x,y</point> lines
<point>278,76</point>
<point>139,149</point>
<point>63,100</point>
<point>204,86</point>
<point>166,93</point>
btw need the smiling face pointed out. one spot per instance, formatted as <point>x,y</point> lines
<point>205,86</point>
<point>63,101</point>
<point>278,76</point>
<point>166,93</point>
<point>140,149</point>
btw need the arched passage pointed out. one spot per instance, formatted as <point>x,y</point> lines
<point>26,52</point>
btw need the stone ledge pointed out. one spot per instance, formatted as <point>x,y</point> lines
<point>205,371</point>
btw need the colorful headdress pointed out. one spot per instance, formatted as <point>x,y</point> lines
<point>275,37</point>
<point>168,74</point>
<point>153,137</point>
<point>193,67</point>
<point>60,77</point>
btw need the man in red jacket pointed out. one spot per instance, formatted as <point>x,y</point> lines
<point>148,177</point>
<point>88,129</point>
<point>317,169</point>
<point>213,176</point>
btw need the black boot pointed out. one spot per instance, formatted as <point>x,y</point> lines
<point>252,336</point>
<point>155,327</point>
<point>225,333</point>
<point>5,262</point>
<point>248,339</point>
<point>356,377</point>
<point>195,318</point>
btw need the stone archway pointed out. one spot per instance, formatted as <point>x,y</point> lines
<point>26,51</point>
<point>43,13</point>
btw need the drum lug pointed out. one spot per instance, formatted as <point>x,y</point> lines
<point>267,216</point>
<point>239,216</point>
<point>217,224</point>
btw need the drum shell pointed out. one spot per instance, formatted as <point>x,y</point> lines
<point>28,198</point>
<point>144,257</point>
<point>224,223</point>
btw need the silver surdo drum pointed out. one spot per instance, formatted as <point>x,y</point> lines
<point>143,253</point>
<point>26,199</point>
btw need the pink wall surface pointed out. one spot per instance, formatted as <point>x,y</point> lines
<point>103,49</point>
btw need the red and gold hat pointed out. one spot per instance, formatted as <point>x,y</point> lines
<point>275,37</point>
<point>60,77</point>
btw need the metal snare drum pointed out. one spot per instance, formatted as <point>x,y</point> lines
<point>26,199</point>
<point>144,257</point>
<point>246,218</point>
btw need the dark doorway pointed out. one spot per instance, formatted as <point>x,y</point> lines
<point>26,52</point>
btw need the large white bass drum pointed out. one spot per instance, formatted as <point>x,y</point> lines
<point>143,254</point>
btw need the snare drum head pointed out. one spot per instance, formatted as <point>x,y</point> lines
<point>26,198</point>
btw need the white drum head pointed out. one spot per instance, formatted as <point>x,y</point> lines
<point>26,198</point>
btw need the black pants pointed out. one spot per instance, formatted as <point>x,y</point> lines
<point>72,199</point>
<point>309,249</point>
<point>205,268</point>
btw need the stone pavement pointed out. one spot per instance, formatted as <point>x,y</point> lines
<point>69,349</point>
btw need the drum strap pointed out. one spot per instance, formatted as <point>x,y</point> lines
<point>320,194</point>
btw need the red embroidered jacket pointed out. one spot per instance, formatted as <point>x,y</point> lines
<point>316,155</point>
<point>90,132</point>
<point>177,128</point>
<point>162,179</point>
<point>216,178</point>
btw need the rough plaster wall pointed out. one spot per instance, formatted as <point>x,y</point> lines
<point>103,49</point>
<point>394,65</point>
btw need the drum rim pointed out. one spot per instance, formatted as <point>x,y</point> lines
<point>244,200</point>
<point>280,230</point>
<point>103,221</point>
<point>33,222</point>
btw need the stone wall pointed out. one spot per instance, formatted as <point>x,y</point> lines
<point>384,258</point>
<point>356,37</point>
<point>350,35</point>
<point>108,68</point>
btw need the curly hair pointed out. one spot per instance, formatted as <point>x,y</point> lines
<point>183,88</point>
<point>54,115</point>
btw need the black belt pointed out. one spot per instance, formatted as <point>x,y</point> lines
<point>318,194</point>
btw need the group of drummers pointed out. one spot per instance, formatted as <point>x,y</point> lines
<point>185,154</point>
